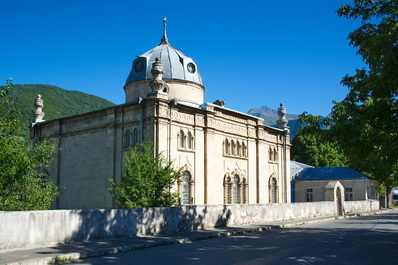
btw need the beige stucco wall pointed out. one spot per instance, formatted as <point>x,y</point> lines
<point>92,151</point>
<point>177,89</point>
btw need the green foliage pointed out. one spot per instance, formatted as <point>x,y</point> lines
<point>58,103</point>
<point>313,146</point>
<point>147,181</point>
<point>24,185</point>
<point>366,121</point>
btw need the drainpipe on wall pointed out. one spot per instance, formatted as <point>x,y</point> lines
<point>173,103</point>
<point>140,102</point>
<point>285,164</point>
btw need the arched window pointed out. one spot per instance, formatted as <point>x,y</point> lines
<point>243,192</point>
<point>227,147</point>
<point>185,188</point>
<point>270,154</point>
<point>181,139</point>
<point>189,140</point>
<point>127,139</point>
<point>273,190</point>
<point>235,190</point>
<point>227,190</point>
<point>244,150</point>
<point>238,149</point>
<point>135,137</point>
<point>275,155</point>
<point>233,148</point>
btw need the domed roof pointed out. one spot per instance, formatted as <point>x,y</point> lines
<point>176,65</point>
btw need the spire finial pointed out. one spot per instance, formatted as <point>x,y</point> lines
<point>164,39</point>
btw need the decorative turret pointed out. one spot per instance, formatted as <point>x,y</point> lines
<point>38,114</point>
<point>157,83</point>
<point>282,122</point>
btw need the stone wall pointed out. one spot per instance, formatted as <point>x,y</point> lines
<point>35,228</point>
<point>361,206</point>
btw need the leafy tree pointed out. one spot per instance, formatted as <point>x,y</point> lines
<point>366,121</point>
<point>24,185</point>
<point>312,145</point>
<point>147,181</point>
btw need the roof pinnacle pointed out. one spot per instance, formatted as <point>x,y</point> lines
<point>164,39</point>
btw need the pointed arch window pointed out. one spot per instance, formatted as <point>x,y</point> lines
<point>244,150</point>
<point>275,155</point>
<point>185,194</point>
<point>235,189</point>
<point>238,149</point>
<point>186,187</point>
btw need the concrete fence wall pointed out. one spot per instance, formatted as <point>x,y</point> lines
<point>34,228</point>
<point>361,206</point>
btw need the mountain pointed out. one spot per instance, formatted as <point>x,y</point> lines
<point>58,103</point>
<point>270,117</point>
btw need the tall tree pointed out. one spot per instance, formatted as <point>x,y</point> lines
<point>148,180</point>
<point>366,121</point>
<point>312,145</point>
<point>24,184</point>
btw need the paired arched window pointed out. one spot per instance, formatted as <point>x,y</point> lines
<point>235,189</point>
<point>131,138</point>
<point>186,187</point>
<point>185,140</point>
<point>272,154</point>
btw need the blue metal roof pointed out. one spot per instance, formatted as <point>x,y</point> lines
<point>328,173</point>
<point>297,167</point>
<point>176,65</point>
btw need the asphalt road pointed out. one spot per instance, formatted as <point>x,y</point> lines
<point>362,240</point>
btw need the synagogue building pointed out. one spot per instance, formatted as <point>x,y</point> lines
<point>226,156</point>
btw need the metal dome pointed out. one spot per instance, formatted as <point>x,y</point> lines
<point>176,64</point>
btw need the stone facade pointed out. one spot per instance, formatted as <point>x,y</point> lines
<point>227,157</point>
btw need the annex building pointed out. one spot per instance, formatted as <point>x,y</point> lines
<point>227,157</point>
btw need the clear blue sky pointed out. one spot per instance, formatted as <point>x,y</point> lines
<point>249,53</point>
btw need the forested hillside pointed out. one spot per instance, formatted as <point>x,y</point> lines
<point>58,103</point>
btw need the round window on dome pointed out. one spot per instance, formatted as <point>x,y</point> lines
<point>138,67</point>
<point>191,68</point>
